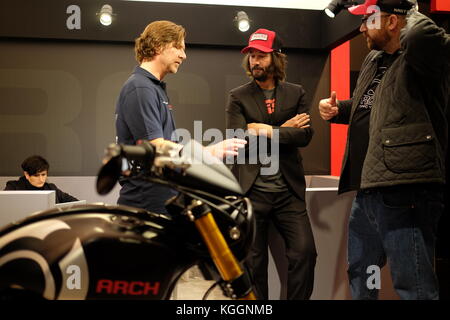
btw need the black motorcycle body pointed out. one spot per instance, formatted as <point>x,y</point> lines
<point>99,251</point>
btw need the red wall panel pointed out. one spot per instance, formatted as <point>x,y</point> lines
<point>340,82</point>
<point>440,6</point>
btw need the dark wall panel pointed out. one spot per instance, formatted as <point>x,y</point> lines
<point>206,24</point>
<point>58,99</point>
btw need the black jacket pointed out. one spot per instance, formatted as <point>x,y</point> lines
<point>246,105</point>
<point>408,133</point>
<point>23,184</point>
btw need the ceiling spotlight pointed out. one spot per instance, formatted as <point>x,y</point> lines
<point>242,21</point>
<point>332,9</point>
<point>336,6</point>
<point>106,15</point>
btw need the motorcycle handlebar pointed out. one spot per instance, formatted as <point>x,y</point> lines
<point>111,170</point>
<point>143,152</point>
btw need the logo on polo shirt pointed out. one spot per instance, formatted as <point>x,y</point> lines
<point>259,36</point>
<point>168,105</point>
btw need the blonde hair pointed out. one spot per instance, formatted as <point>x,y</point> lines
<point>156,36</point>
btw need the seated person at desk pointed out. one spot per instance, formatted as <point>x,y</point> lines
<point>35,170</point>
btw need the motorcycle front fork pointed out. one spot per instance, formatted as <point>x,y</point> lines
<point>237,282</point>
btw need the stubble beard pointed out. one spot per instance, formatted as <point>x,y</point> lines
<point>378,43</point>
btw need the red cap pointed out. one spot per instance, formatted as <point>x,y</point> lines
<point>391,6</point>
<point>363,8</point>
<point>263,40</point>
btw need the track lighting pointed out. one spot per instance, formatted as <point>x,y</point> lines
<point>242,21</point>
<point>106,15</point>
<point>335,6</point>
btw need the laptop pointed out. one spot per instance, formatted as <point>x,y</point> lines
<point>69,204</point>
<point>16,205</point>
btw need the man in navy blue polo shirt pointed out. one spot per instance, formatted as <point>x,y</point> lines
<point>143,111</point>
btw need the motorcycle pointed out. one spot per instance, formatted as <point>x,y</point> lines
<point>100,251</point>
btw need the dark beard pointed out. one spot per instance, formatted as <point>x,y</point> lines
<point>264,74</point>
<point>262,77</point>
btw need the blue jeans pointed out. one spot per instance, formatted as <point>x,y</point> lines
<point>397,224</point>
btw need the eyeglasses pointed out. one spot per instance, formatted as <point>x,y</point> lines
<point>364,19</point>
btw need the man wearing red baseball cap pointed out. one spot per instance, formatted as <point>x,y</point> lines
<point>272,108</point>
<point>401,7</point>
<point>263,40</point>
<point>396,146</point>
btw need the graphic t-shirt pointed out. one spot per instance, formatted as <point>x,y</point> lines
<point>270,100</point>
<point>359,130</point>
<point>275,182</point>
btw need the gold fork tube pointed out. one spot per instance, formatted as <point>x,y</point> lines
<point>225,261</point>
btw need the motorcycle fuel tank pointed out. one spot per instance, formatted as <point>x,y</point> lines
<point>94,252</point>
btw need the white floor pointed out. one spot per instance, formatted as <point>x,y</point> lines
<point>192,286</point>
